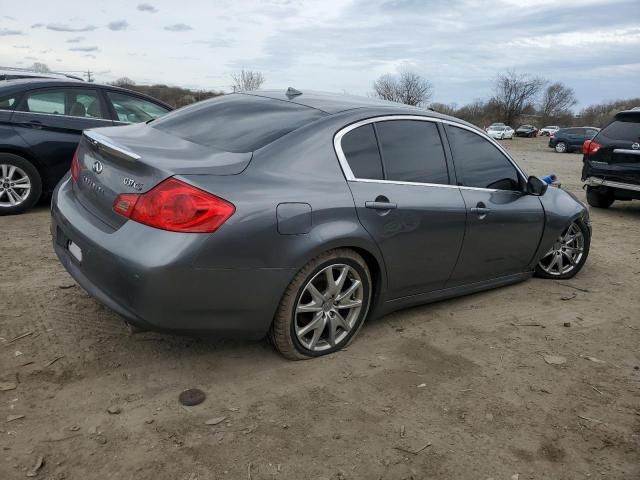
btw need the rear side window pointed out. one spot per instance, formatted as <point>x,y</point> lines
<point>479,163</point>
<point>8,103</point>
<point>361,151</point>
<point>623,130</point>
<point>134,109</point>
<point>412,151</point>
<point>74,102</point>
<point>236,122</point>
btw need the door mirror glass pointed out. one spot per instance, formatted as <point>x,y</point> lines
<point>536,186</point>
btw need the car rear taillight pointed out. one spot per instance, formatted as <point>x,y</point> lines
<point>175,206</point>
<point>75,167</point>
<point>589,147</point>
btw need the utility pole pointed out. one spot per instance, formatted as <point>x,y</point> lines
<point>89,76</point>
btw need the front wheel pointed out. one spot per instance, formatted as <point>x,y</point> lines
<point>323,307</point>
<point>20,184</point>
<point>568,254</point>
<point>561,147</point>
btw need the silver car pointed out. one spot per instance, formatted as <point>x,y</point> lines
<point>500,132</point>
<point>301,215</point>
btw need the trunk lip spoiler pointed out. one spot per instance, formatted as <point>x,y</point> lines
<point>102,142</point>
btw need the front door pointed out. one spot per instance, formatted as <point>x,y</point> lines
<point>504,225</point>
<point>400,184</point>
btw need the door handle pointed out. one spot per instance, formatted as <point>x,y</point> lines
<point>33,124</point>
<point>381,205</point>
<point>481,210</point>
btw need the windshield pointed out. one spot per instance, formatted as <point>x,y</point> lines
<point>499,129</point>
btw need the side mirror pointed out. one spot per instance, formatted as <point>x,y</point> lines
<point>536,186</point>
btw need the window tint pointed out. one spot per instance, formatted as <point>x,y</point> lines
<point>479,163</point>
<point>7,103</point>
<point>412,151</point>
<point>591,132</point>
<point>623,130</point>
<point>76,102</point>
<point>134,109</point>
<point>361,150</point>
<point>237,122</point>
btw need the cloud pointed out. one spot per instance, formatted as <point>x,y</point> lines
<point>9,18</point>
<point>37,25</point>
<point>84,49</point>
<point>217,43</point>
<point>146,7</point>
<point>178,27</point>
<point>62,27</point>
<point>117,25</point>
<point>5,32</point>
<point>22,46</point>
<point>75,39</point>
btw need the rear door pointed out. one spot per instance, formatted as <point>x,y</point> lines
<point>51,121</point>
<point>399,177</point>
<point>576,137</point>
<point>504,225</point>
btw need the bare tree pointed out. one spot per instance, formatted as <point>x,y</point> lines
<point>556,101</point>
<point>40,67</point>
<point>123,82</point>
<point>407,87</point>
<point>246,80</point>
<point>514,93</point>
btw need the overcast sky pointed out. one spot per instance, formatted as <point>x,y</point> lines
<point>335,45</point>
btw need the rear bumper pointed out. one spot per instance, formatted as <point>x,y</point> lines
<point>152,279</point>
<point>600,182</point>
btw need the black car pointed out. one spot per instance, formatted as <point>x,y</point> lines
<point>571,139</point>
<point>526,131</point>
<point>611,169</point>
<point>41,122</point>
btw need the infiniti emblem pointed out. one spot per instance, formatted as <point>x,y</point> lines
<point>97,167</point>
<point>636,146</point>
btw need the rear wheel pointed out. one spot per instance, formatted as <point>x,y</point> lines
<point>561,147</point>
<point>598,198</point>
<point>324,306</point>
<point>20,184</point>
<point>568,254</point>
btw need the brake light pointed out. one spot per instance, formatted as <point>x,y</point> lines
<point>175,206</point>
<point>75,167</point>
<point>589,147</point>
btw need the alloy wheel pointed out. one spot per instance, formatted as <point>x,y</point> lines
<point>566,253</point>
<point>15,185</point>
<point>328,308</point>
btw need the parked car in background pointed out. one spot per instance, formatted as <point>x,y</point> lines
<point>301,215</point>
<point>526,131</point>
<point>10,73</point>
<point>571,139</point>
<point>611,161</point>
<point>495,125</point>
<point>41,121</point>
<point>548,131</point>
<point>500,132</point>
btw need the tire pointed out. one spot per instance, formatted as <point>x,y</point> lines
<point>561,147</point>
<point>288,324</point>
<point>542,268</point>
<point>15,173</point>
<point>598,198</point>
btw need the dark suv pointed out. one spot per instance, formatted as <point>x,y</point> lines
<point>611,169</point>
<point>568,140</point>
<point>41,121</point>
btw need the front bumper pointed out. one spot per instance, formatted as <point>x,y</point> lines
<point>151,277</point>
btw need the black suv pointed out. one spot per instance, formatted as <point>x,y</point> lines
<point>41,121</point>
<point>611,169</point>
<point>568,140</point>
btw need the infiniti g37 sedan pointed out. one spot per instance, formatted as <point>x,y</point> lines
<point>301,215</point>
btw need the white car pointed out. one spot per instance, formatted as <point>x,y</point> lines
<point>550,130</point>
<point>500,132</point>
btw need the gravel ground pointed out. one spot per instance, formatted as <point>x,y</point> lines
<point>453,390</point>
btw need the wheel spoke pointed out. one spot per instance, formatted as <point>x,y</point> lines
<point>309,307</point>
<point>349,303</point>
<point>349,291</point>
<point>332,328</point>
<point>570,258</point>
<point>344,273</point>
<point>314,324</point>
<point>4,169</point>
<point>318,332</point>
<point>315,293</point>
<point>12,199</point>
<point>12,170</point>
<point>560,263</point>
<point>341,322</point>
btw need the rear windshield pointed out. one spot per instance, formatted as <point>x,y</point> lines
<point>626,129</point>
<point>236,123</point>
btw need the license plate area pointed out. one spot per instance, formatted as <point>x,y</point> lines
<point>75,251</point>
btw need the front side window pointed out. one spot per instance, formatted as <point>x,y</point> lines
<point>479,163</point>
<point>412,151</point>
<point>133,109</point>
<point>74,102</point>
<point>360,148</point>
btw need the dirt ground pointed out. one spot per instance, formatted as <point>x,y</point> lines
<point>453,390</point>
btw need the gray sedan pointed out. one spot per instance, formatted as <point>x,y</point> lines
<point>301,215</point>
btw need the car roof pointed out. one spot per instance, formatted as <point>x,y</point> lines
<point>18,85</point>
<point>633,114</point>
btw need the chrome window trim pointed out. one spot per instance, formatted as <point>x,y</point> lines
<point>63,115</point>
<point>100,141</point>
<point>348,173</point>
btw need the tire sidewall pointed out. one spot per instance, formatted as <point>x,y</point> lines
<point>562,150</point>
<point>586,233</point>
<point>34,178</point>
<point>366,279</point>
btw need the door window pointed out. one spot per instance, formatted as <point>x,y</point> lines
<point>412,151</point>
<point>361,151</point>
<point>7,103</point>
<point>74,102</point>
<point>479,163</point>
<point>134,109</point>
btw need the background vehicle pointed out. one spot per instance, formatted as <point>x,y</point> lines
<point>41,121</point>
<point>548,131</point>
<point>571,139</point>
<point>526,131</point>
<point>11,73</point>
<point>300,215</point>
<point>499,124</point>
<point>500,133</point>
<point>611,169</point>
